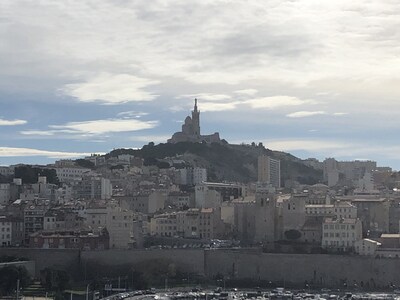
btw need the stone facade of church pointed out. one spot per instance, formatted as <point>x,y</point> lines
<point>191,130</point>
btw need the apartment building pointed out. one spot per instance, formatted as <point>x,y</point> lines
<point>341,234</point>
<point>5,231</point>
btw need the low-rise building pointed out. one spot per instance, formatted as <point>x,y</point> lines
<point>203,223</point>
<point>366,247</point>
<point>164,225</point>
<point>118,221</point>
<point>69,239</point>
<point>70,173</point>
<point>340,210</point>
<point>341,234</point>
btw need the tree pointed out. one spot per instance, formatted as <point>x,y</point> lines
<point>9,276</point>
<point>85,163</point>
<point>292,234</point>
<point>55,280</point>
<point>163,165</point>
<point>30,174</point>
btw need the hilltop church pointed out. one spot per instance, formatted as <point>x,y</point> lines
<point>191,130</point>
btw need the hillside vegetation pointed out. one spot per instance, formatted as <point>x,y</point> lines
<point>226,162</point>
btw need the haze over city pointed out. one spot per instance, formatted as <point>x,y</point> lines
<point>316,80</point>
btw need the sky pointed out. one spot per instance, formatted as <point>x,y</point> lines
<point>310,77</point>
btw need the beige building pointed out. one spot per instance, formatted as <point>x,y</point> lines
<point>118,221</point>
<point>205,197</point>
<point>373,213</point>
<point>341,234</point>
<point>265,217</point>
<point>164,225</point>
<point>204,223</point>
<point>145,202</point>
<point>293,212</point>
<point>244,218</point>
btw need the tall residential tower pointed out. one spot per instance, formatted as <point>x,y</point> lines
<point>269,171</point>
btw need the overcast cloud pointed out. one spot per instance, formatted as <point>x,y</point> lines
<point>295,73</point>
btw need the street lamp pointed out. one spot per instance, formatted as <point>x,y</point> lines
<point>17,289</point>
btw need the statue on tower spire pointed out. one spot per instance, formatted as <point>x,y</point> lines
<point>195,104</point>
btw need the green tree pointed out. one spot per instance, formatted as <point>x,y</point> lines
<point>292,234</point>
<point>9,276</point>
<point>30,174</point>
<point>55,280</point>
<point>84,163</point>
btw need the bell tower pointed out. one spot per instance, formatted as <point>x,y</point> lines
<point>196,120</point>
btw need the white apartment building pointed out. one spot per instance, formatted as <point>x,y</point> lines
<point>199,175</point>
<point>341,234</point>
<point>340,210</point>
<point>5,231</point>
<point>191,176</point>
<point>70,173</point>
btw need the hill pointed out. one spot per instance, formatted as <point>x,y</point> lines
<point>225,161</point>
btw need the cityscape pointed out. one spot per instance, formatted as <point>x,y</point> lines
<point>199,150</point>
<point>167,206</point>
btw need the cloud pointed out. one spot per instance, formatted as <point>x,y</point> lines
<point>276,102</point>
<point>246,92</point>
<point>132,114</point>
<point>345,53</point>
<point>213,106</point>
<point>39,132</point>
<point>306,145</point>
<point>111,89</point>
<point>95,127</point>
<point>304,114</point>
<point>12,122</point>
<point>23,152</point>
<point>206,96</point>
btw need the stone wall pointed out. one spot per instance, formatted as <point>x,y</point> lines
<point>296,269</point>
<point>188,260</point>
<point>316,269</point>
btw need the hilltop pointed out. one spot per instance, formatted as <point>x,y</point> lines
<point>225,161</point>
